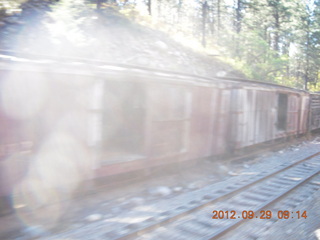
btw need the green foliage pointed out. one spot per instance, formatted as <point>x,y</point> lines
<point>269,40</point>
<point>279,42</point>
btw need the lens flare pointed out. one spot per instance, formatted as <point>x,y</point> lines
<point>57,170</point>
<point>23,97</point>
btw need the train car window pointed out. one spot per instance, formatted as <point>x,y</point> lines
<point>282,111</point>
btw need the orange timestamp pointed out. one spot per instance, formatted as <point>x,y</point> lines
<point>263,214</point>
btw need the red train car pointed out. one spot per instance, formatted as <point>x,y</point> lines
<point>86,121</point>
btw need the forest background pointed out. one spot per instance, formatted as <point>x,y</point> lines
<point>274,41</point>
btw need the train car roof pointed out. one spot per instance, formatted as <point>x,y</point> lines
<point>9,60</point>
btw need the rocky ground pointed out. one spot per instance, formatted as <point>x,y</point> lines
<point>71,28</point>
<point>297,229</point>
<point>114,203</point>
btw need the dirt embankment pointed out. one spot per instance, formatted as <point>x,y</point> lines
<point>75,30</point>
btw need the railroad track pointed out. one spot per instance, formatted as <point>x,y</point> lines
<point>195,220</point>
<point>255,196</point>
<point>189,215</point>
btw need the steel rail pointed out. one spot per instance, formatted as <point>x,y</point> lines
<point>237,222</point>
<point>155,225</point>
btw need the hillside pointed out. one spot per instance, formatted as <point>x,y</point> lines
<point>76,30</point>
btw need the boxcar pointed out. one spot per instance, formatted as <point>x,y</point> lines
<point>84,121</point>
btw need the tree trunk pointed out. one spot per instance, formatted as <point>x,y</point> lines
<point>149,7</point>
<point>218,16</point>
<point>99,3</point>
<point>277,30</point>
<point>307,67</point>
<point>204,20</point>
<point>238,21</point>
<point>180,3</point>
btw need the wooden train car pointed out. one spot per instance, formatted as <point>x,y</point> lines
<point>87,121</point>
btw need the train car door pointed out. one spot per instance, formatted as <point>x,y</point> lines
<point>293,114</point>
<point>123,117</point>
<point>170,118</point>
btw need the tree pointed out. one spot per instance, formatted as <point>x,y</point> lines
<point>204,21</point>
<point>99,3</point>
<point>239,7</point>
<point>273,40</point>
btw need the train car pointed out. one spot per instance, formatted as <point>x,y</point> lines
<point>265,112</point>
<point>89,121</point>
<point>148,118</point>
